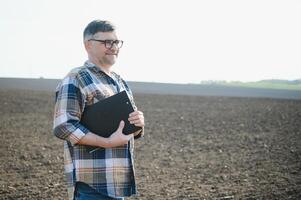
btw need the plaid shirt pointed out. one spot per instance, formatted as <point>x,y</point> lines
<point>109,171</point>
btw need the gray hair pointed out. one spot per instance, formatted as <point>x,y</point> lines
<point>97,26</point>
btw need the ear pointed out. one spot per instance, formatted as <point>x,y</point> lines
<point>87,45</point>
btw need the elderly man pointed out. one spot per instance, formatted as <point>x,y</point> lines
<point>108,172</point>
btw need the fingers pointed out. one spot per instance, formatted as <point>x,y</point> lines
<point>136,118</point>
<point>137,112</point>
<point>118,138</point>
<point>121,125</point>
<point>136,121</point>
<point>139,124</point>
<point>136,115</point>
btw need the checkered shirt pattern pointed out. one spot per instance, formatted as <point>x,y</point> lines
<point>109,171</point>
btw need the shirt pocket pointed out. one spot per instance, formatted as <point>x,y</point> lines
<point>96,95</point>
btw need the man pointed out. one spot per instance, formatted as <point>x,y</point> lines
<point>108,172</point>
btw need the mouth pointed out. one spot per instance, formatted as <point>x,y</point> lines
<point>112,54</point>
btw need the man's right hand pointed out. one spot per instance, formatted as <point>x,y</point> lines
<point>118,138</point>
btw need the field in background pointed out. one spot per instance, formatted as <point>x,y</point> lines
<point>204,89</point>
<point>195,147</point>
<point>266,85</point>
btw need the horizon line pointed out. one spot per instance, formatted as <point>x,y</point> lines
<point>199,82</point>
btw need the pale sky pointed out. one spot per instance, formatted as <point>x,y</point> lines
<point>164,40</point>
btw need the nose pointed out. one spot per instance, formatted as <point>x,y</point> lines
<point>114,47</point>
<point>113,50</point>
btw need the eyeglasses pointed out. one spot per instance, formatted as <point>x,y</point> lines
<point>109,43</point>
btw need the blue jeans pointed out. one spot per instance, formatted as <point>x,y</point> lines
<point>85,192</point>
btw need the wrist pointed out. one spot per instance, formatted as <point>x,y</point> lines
<point>104,143</point>
<point>108,142</point>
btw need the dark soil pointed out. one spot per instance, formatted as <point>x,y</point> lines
<point>194,148</point>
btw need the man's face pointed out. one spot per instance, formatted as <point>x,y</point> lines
<point>99,52</point>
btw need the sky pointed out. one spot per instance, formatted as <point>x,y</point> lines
<point>169,41</point>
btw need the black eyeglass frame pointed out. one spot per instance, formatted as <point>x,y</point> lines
<point>109,44</point>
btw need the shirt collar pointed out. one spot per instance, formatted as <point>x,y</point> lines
<point>94,67</point>
<point>91,65</point>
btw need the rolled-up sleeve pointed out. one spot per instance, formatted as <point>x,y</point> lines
<point>139,134</point>
<point>69,105</point>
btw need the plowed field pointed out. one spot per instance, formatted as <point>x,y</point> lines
<point>194,148</point>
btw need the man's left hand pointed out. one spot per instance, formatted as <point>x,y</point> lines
<point>136,118</point>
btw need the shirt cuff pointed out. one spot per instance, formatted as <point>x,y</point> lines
<point>139,134</point>
<point>78,134</point>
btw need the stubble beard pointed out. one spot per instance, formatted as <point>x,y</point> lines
<point>108,61</point>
